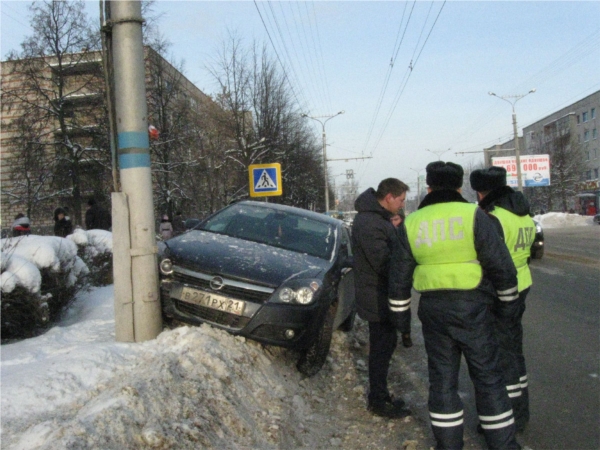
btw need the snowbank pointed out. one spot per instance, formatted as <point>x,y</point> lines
<point>563,220</point>
<point>75,387</point>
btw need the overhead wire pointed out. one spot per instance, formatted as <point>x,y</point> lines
<point>564,61</point>
<point>407,76</point>
<point>388,75</point>
<point>277,54</point>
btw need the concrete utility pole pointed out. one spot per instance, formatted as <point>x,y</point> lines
<point>324,151</point>
<point>137,302</point>
<point>515,98</point>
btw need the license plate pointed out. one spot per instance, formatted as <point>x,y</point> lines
<point>210,300</point>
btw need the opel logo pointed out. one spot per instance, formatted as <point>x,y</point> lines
<point>217,283</point>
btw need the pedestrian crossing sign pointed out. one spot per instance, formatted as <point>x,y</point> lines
<point>265,180</point>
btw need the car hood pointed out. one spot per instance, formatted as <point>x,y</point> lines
<point>227,256</point>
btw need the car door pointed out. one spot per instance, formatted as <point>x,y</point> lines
<point>345,293</point>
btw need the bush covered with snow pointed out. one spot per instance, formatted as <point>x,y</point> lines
<point>95,249</point>
<point>40,276</point>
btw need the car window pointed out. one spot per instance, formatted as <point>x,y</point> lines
<point>273,227</point>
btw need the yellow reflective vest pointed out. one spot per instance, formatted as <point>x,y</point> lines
<point>519,234</point>
<point>442,241</point>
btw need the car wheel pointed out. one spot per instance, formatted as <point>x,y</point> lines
<point>312,359</point>
<point>538,253</point>
<point>348,324</point>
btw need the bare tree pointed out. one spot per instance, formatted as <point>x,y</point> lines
<point>265,122</point>
<point>567,165</point>
<point>59,85</point>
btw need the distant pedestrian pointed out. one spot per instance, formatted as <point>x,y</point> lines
<point>178,224</point>
<point>21,225</point>
<point>96,217</point>
<point>166,229</point>
<point>62,225</point>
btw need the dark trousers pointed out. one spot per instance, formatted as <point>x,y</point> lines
<point>453,327</point>
<point>382,343</point>
<point>509,330</point>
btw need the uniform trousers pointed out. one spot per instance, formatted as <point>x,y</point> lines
<point>454,326</point>
<point>383,338</point>
<point>509,330</point>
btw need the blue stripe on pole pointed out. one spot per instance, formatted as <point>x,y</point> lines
<point>133,139</point>
<point>134,160</point>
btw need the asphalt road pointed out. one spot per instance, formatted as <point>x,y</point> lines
<point>562,345</point>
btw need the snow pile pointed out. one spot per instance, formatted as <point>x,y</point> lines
<point>95,242</point>
<point>563,220</point>
<point>43,252</point>
<point>74,387</point>
<point>17,271</point>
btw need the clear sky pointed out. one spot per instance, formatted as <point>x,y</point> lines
<point>337,55</point>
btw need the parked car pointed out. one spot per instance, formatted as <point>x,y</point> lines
<point>597,219</point>
<point>537,248</point>
<point>276,274</point>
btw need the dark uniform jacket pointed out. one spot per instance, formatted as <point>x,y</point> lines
<point>499,273</point>
<point>373,237</point>
<point>507,198</point>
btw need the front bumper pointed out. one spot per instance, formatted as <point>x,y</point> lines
<point>269,323</point>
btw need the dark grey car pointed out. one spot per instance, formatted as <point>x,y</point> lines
<point>272,273</point>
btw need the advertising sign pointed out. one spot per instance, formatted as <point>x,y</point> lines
<point>535,169</point>
<point>265,180</point>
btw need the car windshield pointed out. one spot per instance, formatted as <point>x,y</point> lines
<point>282,229</point>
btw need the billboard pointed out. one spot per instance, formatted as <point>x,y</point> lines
<point>535,169</point>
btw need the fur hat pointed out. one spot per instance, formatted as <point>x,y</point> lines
<point>485,180</point>
<point>445,175</point>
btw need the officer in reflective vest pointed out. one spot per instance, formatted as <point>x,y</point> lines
<point>518,229</point>
<point>451,252</point>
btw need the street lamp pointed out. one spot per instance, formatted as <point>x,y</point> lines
<point>512,99</point>
<point>438,153</point>
<point>419,184</point>
<point>327,118</point>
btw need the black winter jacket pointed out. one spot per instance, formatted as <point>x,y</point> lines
<point>63,227</point>
<point>499,273</point>
<point>507,198</point>
<point>97,218</point>
<point>373,237</point>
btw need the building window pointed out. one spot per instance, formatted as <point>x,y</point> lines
<point>594,133</point>
<point>593,113</point>
<point>596,173</point>
<point>578,119</point>
<point>588,175</point>
<point>587,156</point>
<point>586,135</point>
<point>585,117</point>
<point>595,153</point>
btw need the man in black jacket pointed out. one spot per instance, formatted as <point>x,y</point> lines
<point>450,251</point>
<point>517,228</point>
<point>373,237</point>
<point>96,217</point>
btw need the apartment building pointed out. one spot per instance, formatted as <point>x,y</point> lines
<point>579,123</point>
<point>55,147</point>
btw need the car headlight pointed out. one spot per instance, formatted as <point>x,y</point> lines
<point>538,228</point>
<point>300,292</point>
<point>166,266</point>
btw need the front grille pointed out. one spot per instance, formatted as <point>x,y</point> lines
<point>235,292</point>
<point>212,315</point>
